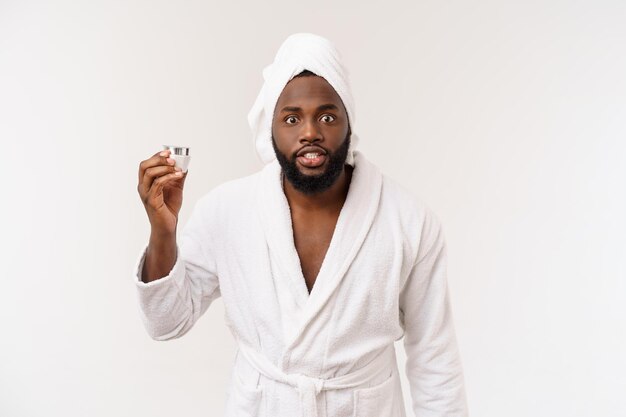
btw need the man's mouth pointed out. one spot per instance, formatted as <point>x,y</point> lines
<point>312,159</point>
<point>311,156</point>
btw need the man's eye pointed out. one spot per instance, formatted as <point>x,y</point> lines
<point>329,118</point>
<point>291,118</point>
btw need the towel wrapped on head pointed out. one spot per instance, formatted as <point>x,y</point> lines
<point>299,52</point>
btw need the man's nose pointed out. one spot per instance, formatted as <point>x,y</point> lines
<point>310,132</point>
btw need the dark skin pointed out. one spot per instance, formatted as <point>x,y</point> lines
<point>313,216</point>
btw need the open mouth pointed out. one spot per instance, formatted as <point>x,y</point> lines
<point>312,159</point>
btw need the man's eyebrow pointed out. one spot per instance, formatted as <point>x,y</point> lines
<point>328,106</point>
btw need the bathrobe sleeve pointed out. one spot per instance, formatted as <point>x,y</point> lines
<point>433,364</point>
<point>170,306</point>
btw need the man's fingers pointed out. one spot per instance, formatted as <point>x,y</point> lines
<point>146,168</point>
<point>151,174</point>
<point>159,183</point>
<point>159,158</point>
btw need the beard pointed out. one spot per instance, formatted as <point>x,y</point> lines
<point>313,184</point>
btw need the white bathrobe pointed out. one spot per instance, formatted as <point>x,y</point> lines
<point>329,353</point>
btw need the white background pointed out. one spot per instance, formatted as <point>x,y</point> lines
<point>506,117</point>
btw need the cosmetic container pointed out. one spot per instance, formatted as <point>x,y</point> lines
<point>180,154</point>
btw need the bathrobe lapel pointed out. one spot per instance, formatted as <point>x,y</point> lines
<point>353,224</point>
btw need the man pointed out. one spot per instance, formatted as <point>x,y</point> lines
<point>321,260</point>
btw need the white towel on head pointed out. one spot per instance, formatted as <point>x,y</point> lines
<point>299,52</point>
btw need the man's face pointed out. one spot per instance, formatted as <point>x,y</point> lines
<point>310,134</point>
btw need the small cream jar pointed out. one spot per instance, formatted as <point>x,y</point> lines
<point>180,154</point>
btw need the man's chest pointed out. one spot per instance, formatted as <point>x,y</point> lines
<point>312,237</point>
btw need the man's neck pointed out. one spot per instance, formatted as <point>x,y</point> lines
<point>329,199</point>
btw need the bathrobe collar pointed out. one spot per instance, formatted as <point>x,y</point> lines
<point>353,224</point>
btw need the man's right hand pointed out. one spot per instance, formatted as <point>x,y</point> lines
<point>161,190</point>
